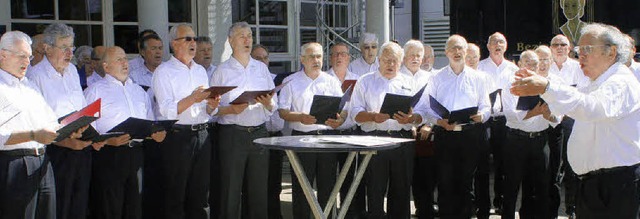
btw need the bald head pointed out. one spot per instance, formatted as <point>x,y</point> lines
<point>115,63</point>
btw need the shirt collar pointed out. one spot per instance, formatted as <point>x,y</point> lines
<point>177,62</point>
<point>112,79</point>
<point>604,76</point>
<point>9,79</point>
<point>48,67</point>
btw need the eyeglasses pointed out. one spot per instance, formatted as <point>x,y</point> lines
<point>556,45</point>
<point>340,54</point>
<point>19,54</point>
<point>188,38</point>
<point>587,49</point>
<point>66,48</point>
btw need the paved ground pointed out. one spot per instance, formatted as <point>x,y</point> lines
<point>285,196</point>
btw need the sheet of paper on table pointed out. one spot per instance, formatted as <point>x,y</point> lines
<point>364,140</point>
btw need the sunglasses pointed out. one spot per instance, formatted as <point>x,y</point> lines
<point>188,38</point>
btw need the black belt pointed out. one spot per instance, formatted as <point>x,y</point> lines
<point>605,171</point>
<point>248,129</point>
<point>36,152</point>
<point>319,132</point>
<point>527,134</point>
<point>498,118</point>
<point>194,127</point>
<point>389,133</point>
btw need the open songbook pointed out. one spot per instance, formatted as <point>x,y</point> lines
<point>394,102</point>
<point>461,116</point>
<point>326,107</point>
<point>250,96</point>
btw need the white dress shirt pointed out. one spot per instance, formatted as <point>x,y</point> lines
<point>172,82</point>
<point>348,122</point>
<point>254,77</point>
<point>515,117</point>
<point>93,78</point>
<point>455,92</point>
<point>119,102</point>
<point>635,68</point>
<point>142,76</point>
<point>34,113</point>
<point>210,70</point>
<point>361,67</point>
<point>607,120</point>
<point>570,73</point>
<point>297,96</point>
<point>420,78</point>
<point>496,75</point>
<point>369,94</point>
<point>136,63</point>
<point>61,91</point>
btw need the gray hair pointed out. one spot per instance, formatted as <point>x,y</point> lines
<point>9,39</point>
<point>430,48</point>
<point>339,44</point>
<point>530,54</point>
<point>610,35</point>
<point>204,39</point>
<point>413,44</point>
<point>368,38</point>
<point>474,47</point>
<point>173,32</point>
<point>562,38</point>
<point>394,48</point>
<point>238,25</point>
<point>543,49</point>
<point>494,35</point>
<point>303,48</point>
<point>55,31</point>
<point>83,51</point>
<point>37,39</point>
<point>259,46</point>
<point>458,37</point>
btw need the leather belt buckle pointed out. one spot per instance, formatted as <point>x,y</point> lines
<point>198,127</point>
<point>36,152</point>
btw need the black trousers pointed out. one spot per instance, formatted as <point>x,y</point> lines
<point>481,183</point>
<point>456,156</point>
<point>152,183</point>
<point>424,185</point>
<point>556,143</point>
<point>27,187</point>
<point>243,164</point>
<point>214,175</point>
<point>614,193</point>
<point>390,172</point>
<point>72,171</point>
<point>319,167</point>
<point>274,187</point>
<point>569,178</point>
<point>116,182</point>
<point>526,162</point>
<point>497,141</point>
<point>186,158</point>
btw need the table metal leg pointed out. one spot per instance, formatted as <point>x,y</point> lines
<point>306,186</point>
<point>356,181</point>
<point>339,182</point>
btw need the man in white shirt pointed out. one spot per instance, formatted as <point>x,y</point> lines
<point>138,61</point>
<point>151,50</point>
<point>390,167</point>
<point>569,70</point>
<point>242,162</point>
<point>428,59</point>
<point>59,83</point>
<point>526,157</point>
<point>179,85</point>
<point>604,147</point>
<point>456,87</point>
<point>482,199</point>
<point>368,62</point>
<point>294,104</point>
<point>26,179</point>
<point>203,55</point>
<point>117,167</point>
<point>96,62</point>
<point>494,65</point>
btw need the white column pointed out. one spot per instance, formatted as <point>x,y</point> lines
<point>377,19</point>
<point>155,15</point>
<point>219,21</point>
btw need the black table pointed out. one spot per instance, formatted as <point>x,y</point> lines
<point>367,145</point>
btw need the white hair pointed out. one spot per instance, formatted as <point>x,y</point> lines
<point>173,32</point>
<point>368,38</point>
<point>529,54</point>
<point>10,39</point>
<point>394,48</point>
<point>413,44</point>
<point>543,49</point>
<point>612,36</point>
<point>458,37</point>
<point>304,47</point>
<point>55,31</point>
<point>238,25</point>
<point>83,51</point>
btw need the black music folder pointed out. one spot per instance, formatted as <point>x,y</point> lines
<point>393,103</point>
<point>250,96</point>
<point>528,102</point>
<point>141,128</point>
<point>219,90</point>
<point>461,116</point>
<point>76,120</point>
<point>326,107</point>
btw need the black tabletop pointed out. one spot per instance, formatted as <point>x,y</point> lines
<point>330,143</point>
